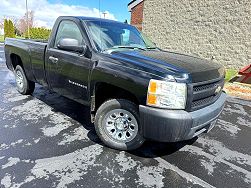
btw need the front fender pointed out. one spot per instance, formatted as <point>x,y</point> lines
<point>131,80</point>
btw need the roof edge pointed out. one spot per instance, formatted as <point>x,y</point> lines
<point>133,4</point>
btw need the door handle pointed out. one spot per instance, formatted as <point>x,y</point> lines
<point>53,59</point>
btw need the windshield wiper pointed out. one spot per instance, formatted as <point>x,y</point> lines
<point>128,47</point>
<point>152,48</point>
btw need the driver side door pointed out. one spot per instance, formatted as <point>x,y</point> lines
<point>68,71</point>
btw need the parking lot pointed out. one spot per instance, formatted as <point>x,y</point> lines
<point>47,140</point>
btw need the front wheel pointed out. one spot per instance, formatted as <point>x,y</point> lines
<point>117,124</point>
<point>24,86</point>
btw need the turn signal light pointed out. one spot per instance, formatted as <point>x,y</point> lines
<point>152,87</point>
<point>151,99</point>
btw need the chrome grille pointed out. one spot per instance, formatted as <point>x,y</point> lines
<point>203,87</point>
<point>205,94</point>
<point>202,101</point>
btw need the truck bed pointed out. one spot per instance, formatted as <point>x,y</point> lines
<point>31,53</point>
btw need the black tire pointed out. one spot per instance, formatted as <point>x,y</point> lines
<point>100,124</point>
<point>26,87</point>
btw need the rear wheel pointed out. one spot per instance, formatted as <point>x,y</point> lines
<point>24,86</point>
<point>117,124</point>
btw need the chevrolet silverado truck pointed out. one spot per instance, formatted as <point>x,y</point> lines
<point>135,91</point>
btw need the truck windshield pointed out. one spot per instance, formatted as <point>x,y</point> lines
<point>115,35</point>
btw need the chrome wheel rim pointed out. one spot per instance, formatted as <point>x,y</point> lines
<point>121,125</point>
<point>19,79</point>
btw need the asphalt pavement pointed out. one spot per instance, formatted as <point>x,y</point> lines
<point>2,57</point>
<point>47,140</point>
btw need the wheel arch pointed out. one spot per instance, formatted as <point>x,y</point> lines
<point>16,60</point>
<point>104,91</point>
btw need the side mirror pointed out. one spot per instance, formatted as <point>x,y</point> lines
<point>70,44</point>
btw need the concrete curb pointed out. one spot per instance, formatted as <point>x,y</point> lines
<point>243,84</point>
<point>238,90</point>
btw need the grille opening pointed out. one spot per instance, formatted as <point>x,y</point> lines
<point>203,101</point>
<point>208,86</point>
<point>205,94</point>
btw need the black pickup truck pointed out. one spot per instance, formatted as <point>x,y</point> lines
<point>135,90</point>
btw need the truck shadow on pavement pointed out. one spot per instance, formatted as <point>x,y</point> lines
<point>152,149</point>
<point>81,114</point>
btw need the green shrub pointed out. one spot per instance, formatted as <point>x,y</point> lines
<point>9,29</point>
<point>6,28</point>
<point>230,73</point>
<point>38,33</point>
<point>12,29</point>
<point>1,38</point>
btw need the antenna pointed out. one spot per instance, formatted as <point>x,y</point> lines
<point>27,19</point>
<point>100,23</point>
<point>104,13</point>
<point>99,9</point>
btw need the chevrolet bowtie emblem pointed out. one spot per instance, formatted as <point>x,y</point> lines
<point>218,89</point>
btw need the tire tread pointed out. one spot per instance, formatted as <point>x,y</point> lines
<point>124,104</point>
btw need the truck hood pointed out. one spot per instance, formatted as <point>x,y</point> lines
<point>165,63</point>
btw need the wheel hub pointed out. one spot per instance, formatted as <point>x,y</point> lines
<point>121,125</point>
<point>19,79</point>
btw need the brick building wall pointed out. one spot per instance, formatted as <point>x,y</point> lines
<point>137,15</point>
<point>214,29</point>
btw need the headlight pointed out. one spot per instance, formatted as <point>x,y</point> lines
<point>164,94</point>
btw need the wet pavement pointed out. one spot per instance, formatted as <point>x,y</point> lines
<point>47,140</point>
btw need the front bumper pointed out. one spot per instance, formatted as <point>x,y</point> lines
<point>177,125</point>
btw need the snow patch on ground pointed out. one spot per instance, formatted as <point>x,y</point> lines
<point>9,77</point>
<point>150,176</point>
<point>208,165</point>
<point>37,140</point>
<point>125,162</point>
<point>235,109</point>
<point>18,98</point>
<point>66,168</point>
<point>10,126</point>
<point>31,110</point>
<point>217,148</point>
<point>208,160</point>
<point>4,146</point>
<point>244,122</point>
<point>11,162</point>
<point>6,181</point>
<point>35,110</point>
<point>227,126</point>
<point>239,101</point>
<point>12,95</point>
<point>222,154</point>
<point>78,133</point>
<point>59,123</point>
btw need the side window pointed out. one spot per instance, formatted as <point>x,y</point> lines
<point>68,29</point>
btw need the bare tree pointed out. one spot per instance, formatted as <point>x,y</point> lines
<point>23,24</point>
<point>1,23</point>
<point>1,26</point>
<point>14,21</point>
<point>12,18</point>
